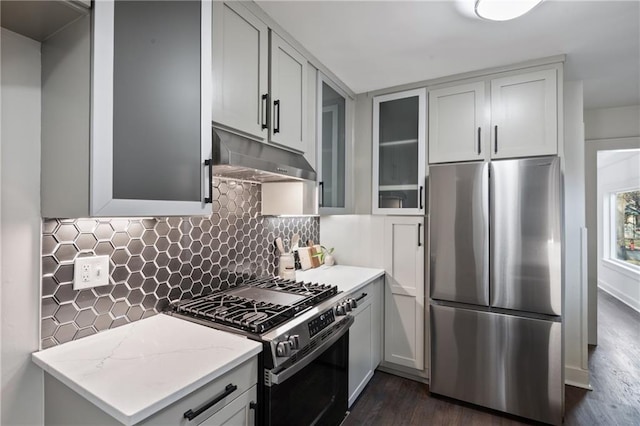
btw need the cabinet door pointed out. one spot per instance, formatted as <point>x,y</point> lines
<point>361,348</point>
<point>404,295</point>
<point>240,73</point>
<point>399,124</point>
<point>151,124</point>
<point>456,123</point>
<point>288,95</point>
<point>333,147</point>
<point>524,115</point>
<point>239,412</point>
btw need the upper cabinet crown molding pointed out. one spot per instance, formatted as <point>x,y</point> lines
<point>144,149</point>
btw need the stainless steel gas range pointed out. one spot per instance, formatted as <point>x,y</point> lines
<point>304,329</point>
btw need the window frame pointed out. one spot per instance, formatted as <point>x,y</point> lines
<point>609,253</point>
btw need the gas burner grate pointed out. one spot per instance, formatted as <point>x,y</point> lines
<point>252,314</point>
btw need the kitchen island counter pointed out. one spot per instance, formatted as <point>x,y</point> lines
<point>348,278</point>
<point>134,371</point>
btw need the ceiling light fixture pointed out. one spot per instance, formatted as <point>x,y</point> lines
<point>504,10</point>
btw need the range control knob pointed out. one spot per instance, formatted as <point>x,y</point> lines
<point>294,340</point>
<point>352,303</point>
<point>283,348</point>
<point>347,306</point>
<point>340,310</point>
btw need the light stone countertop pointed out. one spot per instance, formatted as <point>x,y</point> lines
<point>136,370</point>
<point>348,278</point>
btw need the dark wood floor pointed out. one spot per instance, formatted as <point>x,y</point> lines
<point>615,377</point>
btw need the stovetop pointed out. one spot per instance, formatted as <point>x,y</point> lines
<point>257,305</point>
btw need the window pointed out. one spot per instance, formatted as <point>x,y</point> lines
<point>626,235</point>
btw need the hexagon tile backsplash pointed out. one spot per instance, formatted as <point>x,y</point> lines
<point>155,261</point>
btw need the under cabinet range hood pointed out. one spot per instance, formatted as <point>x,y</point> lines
<point>241,158</point>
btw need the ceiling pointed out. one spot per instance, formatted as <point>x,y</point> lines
<point>374,45</point>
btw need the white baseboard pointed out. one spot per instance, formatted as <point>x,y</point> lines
<point>624,298</point>
<point>577,377</point>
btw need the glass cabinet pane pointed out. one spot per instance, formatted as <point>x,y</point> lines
<point>333,149</point>
<point>398,153</point>
<point>156,100</point>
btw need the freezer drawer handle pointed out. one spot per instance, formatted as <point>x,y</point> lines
<point>419,233</point>
<point>190,414</point>
<point>495,134</point>
<point>479,140</point>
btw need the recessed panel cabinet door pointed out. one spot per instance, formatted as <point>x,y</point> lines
<point>288,95</point>
<point>404,295</point>
<point>240,73</point>
<point>456,118</point>
<point>524,115</point>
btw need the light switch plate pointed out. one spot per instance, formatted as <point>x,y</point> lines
<point>90,271</point>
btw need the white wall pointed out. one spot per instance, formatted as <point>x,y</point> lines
<point>358,239</point>
<point>617,171</point>
<point>605,129</point>
<point>575,300</point>
<point>22,382</point>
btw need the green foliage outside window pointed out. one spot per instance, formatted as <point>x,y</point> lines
<point>628,227</point>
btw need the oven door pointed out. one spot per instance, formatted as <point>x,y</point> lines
<point>312,391</point>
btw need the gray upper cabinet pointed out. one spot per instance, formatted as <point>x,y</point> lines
<point>288,95</point>
<point>399,159</point>
<point>149,131</point>
<point>260,81</point>
<point>457,123</point>
<point>507,115</point>
<point>334,147</point>
<point>240,70</point>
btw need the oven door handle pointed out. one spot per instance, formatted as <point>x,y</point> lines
<point>281,377</point>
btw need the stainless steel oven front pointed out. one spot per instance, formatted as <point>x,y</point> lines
<point>311,387</point>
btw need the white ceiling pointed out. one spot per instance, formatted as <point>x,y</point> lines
<point>374,45</point>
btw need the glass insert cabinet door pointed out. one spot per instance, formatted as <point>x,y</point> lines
<point>332,147</point>
<point>399,125</point>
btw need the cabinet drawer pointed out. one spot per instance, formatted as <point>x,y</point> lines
<point>243,376</point>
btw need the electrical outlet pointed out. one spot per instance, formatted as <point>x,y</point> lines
<point>90,271</point>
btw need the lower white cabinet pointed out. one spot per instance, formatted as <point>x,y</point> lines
<point>239,412</point>
<point>227,400</point>
<point>365,337</point>
<point>404,317</point>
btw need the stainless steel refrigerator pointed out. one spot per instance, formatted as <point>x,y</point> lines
<point>495,260</point>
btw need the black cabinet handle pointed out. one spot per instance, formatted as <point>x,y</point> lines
<point>209,199</point>
<point>495,134</point>
<point>362,296</point>
<point>421,189</point>
<point>265,103</point>
<point>479,141</point>
<point>419,234</point>
<point>276,127</point>
<point>321,185</point>
<point>190,414</point>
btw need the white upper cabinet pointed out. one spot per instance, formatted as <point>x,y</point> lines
<point>457,124</point>
<point>399,160</point>
<point>524,115</point>
<point>519,119</point>
<point>143,70</point>
<point>288,95</point>
<point>240,69</point>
